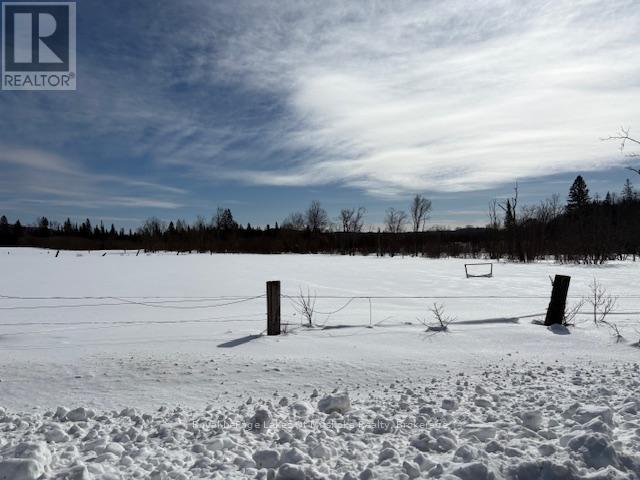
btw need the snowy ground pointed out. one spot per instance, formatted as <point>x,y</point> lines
<point>154,331</point>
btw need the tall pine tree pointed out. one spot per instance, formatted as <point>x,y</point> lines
<point>578,195</point>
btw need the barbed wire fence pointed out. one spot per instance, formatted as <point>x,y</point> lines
<point>378,309</point>
<point>290,319</point>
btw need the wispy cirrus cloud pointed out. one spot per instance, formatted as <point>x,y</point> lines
<point>444,96</point>
<point>55,180</point>
<point>177,100</point>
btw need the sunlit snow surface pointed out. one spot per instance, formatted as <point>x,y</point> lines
<point>496,396</point>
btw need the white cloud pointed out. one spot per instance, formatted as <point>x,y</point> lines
<point>57,181</point>
<point>34,159</point>
<point>442,95</point>
<point>387,97</point>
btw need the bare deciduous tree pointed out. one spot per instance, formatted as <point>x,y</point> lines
<point>346,214</point>
<point>395,220</point>
<point>317,218</point>
<point>357,223</point>
<point>419,210</point>
<point>623,136</point>
<point>494,220</point>
<point>152,226</point>
<point>352,220</point>
<point>294,221</point>
<point>549,209</point>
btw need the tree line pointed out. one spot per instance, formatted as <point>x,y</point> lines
<point>584,229</point>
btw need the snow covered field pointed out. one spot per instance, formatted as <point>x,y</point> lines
<point>161,362</point>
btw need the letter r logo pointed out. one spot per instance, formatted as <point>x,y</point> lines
<point>23,38</point>
<point>37,36</point>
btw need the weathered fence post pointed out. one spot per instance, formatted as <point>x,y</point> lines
<point>558,303</point>
<point>273,308</point>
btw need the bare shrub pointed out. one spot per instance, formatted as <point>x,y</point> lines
<point>602,304</point>
<point>601,301</point>
<point>304,305</point>
<point>440,320</point>
<point>615,330</point>
<point>571,312</point>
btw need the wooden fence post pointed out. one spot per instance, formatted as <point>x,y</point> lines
<point>558,303</point>
<point>273,308</point>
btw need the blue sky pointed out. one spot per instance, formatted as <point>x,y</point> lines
<point>263,106</point>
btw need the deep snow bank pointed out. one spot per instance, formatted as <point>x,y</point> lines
<point>521,421</point>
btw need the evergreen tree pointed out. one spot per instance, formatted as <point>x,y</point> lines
<point>85,228</point>
<point>181,226</point>
<point>578,195</point>
<point>224,220</point>
<point>18,230</point>
<point>43,226</point>
<point>608,199</point>
<point>67,227</point>
<point>628,193</point>
<point>509,218</point>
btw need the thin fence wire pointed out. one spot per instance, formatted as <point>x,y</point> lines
<point>213,302</point>
<point>255,317</point>
<point>118,301</point>
<point>141,297</point>
<point>193,307</point>
<point>187,299</point>
<point>444,297</point>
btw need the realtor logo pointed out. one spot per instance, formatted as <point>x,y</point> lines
<point>39,46</point>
